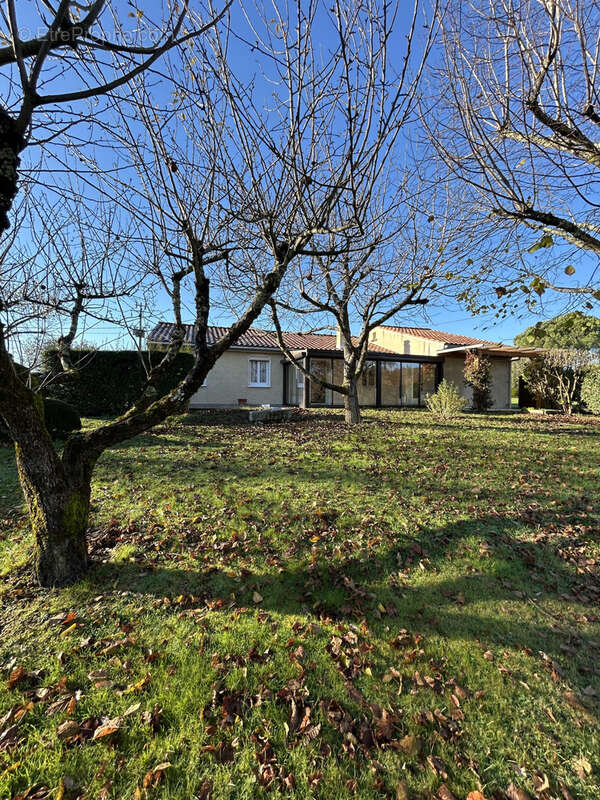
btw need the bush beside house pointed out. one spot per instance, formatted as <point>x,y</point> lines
<point>555,379</point>
<point>590,390</point>
<point>109,382</point>
<point>447,401</point>
<point>478,375</point>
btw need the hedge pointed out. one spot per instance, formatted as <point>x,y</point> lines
<point>590,390</point>
<point>60,418</point>
<point>110,381</point>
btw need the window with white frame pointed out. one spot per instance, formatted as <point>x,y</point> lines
<point>259,372</point>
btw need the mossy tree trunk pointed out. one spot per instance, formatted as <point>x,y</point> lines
<point>57,488</point>
<point>58,499</point>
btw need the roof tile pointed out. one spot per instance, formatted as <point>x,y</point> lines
<point>438,336</point>
<point>254,337</point>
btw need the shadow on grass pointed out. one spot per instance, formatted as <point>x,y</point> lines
<point>494,605</point>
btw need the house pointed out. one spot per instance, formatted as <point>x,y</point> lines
<point>403,365</point>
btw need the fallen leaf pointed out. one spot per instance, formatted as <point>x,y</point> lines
<point>411,745</point>
<point>565,792</point>
<point>16,676</point>
<point>256,597</point>
<point>108,727</point>
<point>67,729</point>
<point>583,768</point>
<point>444,793</point>
<point>516,793</point>
<point>402,791</point>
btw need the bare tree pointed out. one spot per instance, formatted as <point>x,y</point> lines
<point>400,265</point>
<point>517,122</point>
<point>68,265</point>
<point>284,172</point>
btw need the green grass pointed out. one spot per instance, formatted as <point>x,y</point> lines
<point>278,607</point>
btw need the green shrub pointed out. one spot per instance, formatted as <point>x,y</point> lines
<point>478,375</point>
<point>109,382</point>
<point>447,402</point>
<point>60,417</point>
<point>590,390</point>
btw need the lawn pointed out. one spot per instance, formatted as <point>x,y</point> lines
<point>408,609</point>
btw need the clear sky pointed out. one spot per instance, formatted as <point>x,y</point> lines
<point>445,315</point>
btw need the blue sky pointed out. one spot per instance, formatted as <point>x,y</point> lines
<point>445,315</point>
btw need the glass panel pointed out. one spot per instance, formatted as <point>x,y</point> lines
<point>259,372</point>
<point>295,385</point>
<point>338,378</point>
<point>367,385</point>
<point>427,380</point>
<point>390,383</point>
<point>321,367</point>
<point>410,384</point>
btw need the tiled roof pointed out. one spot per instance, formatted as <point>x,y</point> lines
<point>254,337</point>
<point>309,341</point>
<point>438,336</point>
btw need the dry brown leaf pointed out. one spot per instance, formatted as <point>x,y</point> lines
<point>444,793</point>
<point>402,791</point>
<point>411,745</point>
<point>516,793</point>
<point>565,792</point>
<point>583,768</point>
<point>108,728</point>
<point>541,783</point>
<point>16,676</point>
<point>68,728</point>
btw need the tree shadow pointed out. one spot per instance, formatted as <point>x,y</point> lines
<point>498,604</point>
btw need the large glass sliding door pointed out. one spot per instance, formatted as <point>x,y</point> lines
<point>332,370</point>
<point>410,384</point>
<point>405,383</point>
<point>427,380</point>
<point>367,385</point>
<point>295,386</point>
<point>390,383</point>
<point>319,394</point>
<point>337,371</point>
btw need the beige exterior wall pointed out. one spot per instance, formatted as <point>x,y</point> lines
<point>453,373</point>
<point>227,382</point>
<point>403,343</point>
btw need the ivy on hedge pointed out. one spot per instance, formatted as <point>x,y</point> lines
<point>110,381</point>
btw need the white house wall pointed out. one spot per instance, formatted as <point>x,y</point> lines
<point>227,382</point>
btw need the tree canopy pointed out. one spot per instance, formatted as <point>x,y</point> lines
<point>573,331</point>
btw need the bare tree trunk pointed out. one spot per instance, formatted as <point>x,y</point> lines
<point>351,405</point>
<point>58,504</point>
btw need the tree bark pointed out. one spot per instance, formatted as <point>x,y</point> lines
<point>352,413</point>
<point>58,502</point>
